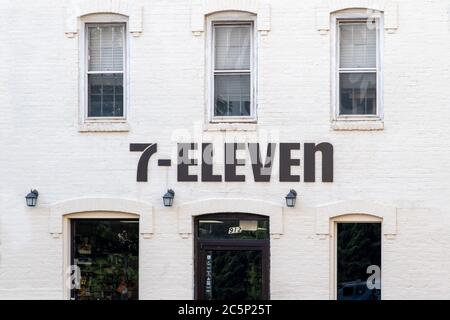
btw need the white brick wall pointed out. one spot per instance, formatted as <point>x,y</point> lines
<point>403,166</point>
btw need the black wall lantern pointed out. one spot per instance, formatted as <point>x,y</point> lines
<point>32,198</point>
<point>290,198</point>
<point>168,198</point>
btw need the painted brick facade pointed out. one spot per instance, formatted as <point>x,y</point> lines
<point>402,167</point>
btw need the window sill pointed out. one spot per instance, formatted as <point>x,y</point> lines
<point>221,126</point>
<point>104,127</point>
<point>357,125</point>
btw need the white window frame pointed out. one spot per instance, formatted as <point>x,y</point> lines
<point>230,18</point>
<point>102,19</point>
<point>350,218</point>
<point>356,15</point>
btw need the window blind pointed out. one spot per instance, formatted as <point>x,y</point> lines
<point>358,45</point>
<point>106,47</point>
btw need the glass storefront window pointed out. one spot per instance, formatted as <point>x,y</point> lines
<point>359,261</point>
<point>107,253</point>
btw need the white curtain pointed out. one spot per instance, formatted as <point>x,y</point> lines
<point>232,47</point>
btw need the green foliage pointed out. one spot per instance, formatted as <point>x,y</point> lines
<point>107,254</point>
<point>359,246</point>
<point>237,274</point>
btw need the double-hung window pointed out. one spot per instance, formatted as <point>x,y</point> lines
<point>358,68</point>
<point>105,71</point>
<point>232,70</point>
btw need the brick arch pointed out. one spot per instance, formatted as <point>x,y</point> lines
<point>192,209</point>
<point>378,5</point>
<point>328,7</point>
<point>112,205</point>
<point>130,8</point>
<point>326,213</point>
<point>202,8</point>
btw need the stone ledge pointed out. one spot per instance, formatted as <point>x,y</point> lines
<point>326,8</point>
<point>357,125</point>
<point>133,9</point>
<point>221,126</point>
<point>327,212</point>
<point>104,127</point>
<point>85,205</point>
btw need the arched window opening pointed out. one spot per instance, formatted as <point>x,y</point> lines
<point>357,257</point>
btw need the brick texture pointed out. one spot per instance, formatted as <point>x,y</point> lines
<point>404,166</point>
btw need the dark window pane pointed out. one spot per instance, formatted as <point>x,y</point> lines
<point>95,88</point>
<point>108,105</point>
<point>118,107</point>
<point>233,275</point>
<point>105,95</point>
<point>358,247</point>
<point>108,86</point>
<point>358,93</point>
<point>95,104</point>
<point>347,291</point>
<point>232,95</point>
<point>221,107</point>
<point>118,88</point>
<point>107,253</point>
<point>247,107</point>
<point>233,229</point>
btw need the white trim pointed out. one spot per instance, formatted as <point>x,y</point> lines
<point>111,126</point>
<point>189,210</point>
<point>123,72</point>
<point>231,18</point>
<point>112,205</point>
<point>327,212</point>
<point>81,8</point>
<point>356,14</point>
<point>84,120</point>
<point>357,125</point>
<point>91,208</point>
<point>230,126</point>
<point>202,8</point>
<point>328,7</point>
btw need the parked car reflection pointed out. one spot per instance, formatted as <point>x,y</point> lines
<point>357,290</point>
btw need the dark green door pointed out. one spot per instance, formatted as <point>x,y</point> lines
<point>232,257</point>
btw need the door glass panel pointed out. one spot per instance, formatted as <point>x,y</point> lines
<point>106,251</point>
<point>233,257</point>
<point>359,261</point>
<point>233,275</point>
<point>233,229</point>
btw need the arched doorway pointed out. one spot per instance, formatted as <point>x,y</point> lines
<point>232,252</point>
